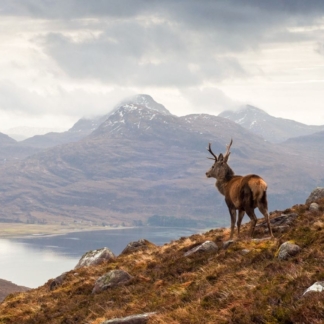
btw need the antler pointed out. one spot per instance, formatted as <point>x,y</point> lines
<point>211,152</point>
<point>226,155</point>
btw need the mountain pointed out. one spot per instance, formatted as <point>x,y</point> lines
<point>271,128</point>
<point>7,287</point>
<point>143,161</point>
<point>309,145</point>
<point>86,126</point>
<point>11,150</point>
<point>23,132</point>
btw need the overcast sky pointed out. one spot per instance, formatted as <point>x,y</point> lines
<point>64,59</point>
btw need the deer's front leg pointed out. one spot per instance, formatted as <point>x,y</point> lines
<point>233,220</point>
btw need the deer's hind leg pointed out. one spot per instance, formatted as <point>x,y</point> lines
<point>263,207</point>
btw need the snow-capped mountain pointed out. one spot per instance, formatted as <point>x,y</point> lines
<point>271,128</point>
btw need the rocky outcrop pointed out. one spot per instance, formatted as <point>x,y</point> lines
<point>207,246</point>
<point>140,245</point>
<point>280,223</point>
<point>287,250</point>
<point>316,287</point>
<point>111,279</point>
<point>316,194</point>
<point>57,282</point>
<point>95,257</point>
<point>133,319</point>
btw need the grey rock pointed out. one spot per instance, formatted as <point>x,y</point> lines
<point>282,220</point>
<point>288,250</point>
<point>226,244</point>
<point>95,257</point>
<point>111,279</point>
<point>315,194</point>
<point>317,287</point>
<point>141,244</point>
<point>57,282</point>
<point>207,246</point>
<point>133,319</point>
<point>314,206</point>
<point>245,251</point>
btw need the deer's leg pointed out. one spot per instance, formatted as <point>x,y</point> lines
<point>233,220</point>
<point>251,214</point>
<point>263,207</point>
<point>239,221</point>
<point>265,213</point>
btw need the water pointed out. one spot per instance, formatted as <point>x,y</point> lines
<point>32,261</point>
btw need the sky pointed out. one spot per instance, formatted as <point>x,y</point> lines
<point>67,59</point>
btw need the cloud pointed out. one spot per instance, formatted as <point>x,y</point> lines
<point>74,103</point>
<point>209,100</point>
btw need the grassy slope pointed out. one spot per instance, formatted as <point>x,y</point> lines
<point>226,287</point>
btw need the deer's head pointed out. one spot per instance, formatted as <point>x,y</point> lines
<point>220,169</point>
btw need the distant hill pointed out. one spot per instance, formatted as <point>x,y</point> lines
<point>143,161</point>
<point>271,128</point>
<point>7,287</point>
<point>11,150</point>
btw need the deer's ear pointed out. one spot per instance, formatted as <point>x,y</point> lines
<point>227,156</point>
<point>220,157</point>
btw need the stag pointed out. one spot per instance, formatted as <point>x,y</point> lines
<point>242,193</point>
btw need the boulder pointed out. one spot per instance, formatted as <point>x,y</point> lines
<point>317,287</point>
<point>207,246</point>
<point>315,194</point>
<point>133,319</point>
<point>95,257</point>
<point>287,250</point>
<point>111,279</point>
<point>314,206</point>
<point>139,245</point>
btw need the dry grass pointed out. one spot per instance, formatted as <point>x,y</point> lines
<point>223,287</point>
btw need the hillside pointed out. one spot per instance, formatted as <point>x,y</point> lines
<point>273,129</point>
<point>245,281</point>
<point>7,287</point>
<point>143,161</point>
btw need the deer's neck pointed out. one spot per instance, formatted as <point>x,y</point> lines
<point>221,182</point>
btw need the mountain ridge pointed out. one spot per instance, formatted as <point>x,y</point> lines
<point>273,129</point>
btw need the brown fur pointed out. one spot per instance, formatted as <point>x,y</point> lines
<point>242,193</point>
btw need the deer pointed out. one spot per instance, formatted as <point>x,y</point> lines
<point>242,193</point>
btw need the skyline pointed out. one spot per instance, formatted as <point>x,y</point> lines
<point>65,60</point>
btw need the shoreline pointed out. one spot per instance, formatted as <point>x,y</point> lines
<point>13,230</point>
<point>18,230</point>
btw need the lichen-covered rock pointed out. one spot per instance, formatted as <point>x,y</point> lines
<point>314,206</point>
<point>58,281</point>
<point>139,245</point>
<point>95,257</point>
<point>133,319</point>
<point>317,287</point>
<point>287,250</point>
<point>315,194</point>
<point>111,279</point>
<point>207,246</point>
